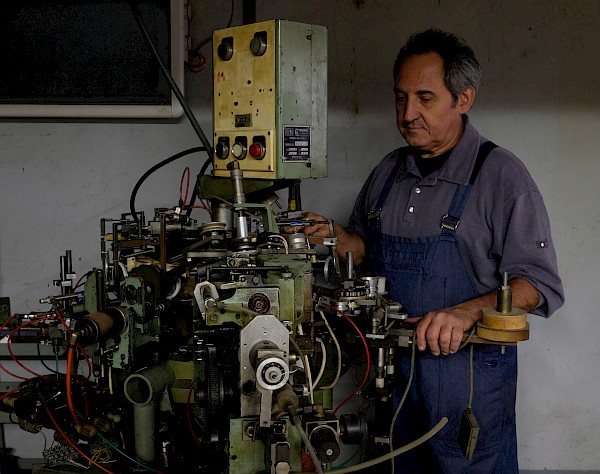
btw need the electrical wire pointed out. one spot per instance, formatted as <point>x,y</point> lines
<point>196,61</point>
<point>339,354</point>
<point>4,369</point>
<point>306,367</point>
<point>368,367</point>
<point>341,465</point>
<point>45,438</point>
<point>323,363</point>
<point>283,240</point>
<point>307,373</point>
<point>195,188</point>
<point>308,444</point>
<point>73,445</point>
<point>18,362</point>
<point>188,413</point>
<point>183,200</point>
<point>68,382</point>
<point>125,455</point>
<point>402,400</point>
<point>167,75</point>
<point>46,366</point>
<point>401,450</point>
<point>470,376</point>
<point>9,393</point>
<point>469,337</point>
<point>79,347</point>
<point>15,359</point>
<point>157,166</point>
<point>122,453</point>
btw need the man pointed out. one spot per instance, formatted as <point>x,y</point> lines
<point>443,219</point>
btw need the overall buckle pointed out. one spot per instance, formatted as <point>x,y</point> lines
<point>449,222</point>
<point>374,214</point>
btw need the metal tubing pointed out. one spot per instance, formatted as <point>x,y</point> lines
<point>350,264</point>
<point>144,429</point>
<point>143,390</point>
<point>145,387</point>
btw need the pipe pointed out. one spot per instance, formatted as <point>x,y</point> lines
<point>143,390</point>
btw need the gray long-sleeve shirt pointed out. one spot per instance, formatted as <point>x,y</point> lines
<point>504,226</point>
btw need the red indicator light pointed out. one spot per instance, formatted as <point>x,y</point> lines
<point>257,150</point>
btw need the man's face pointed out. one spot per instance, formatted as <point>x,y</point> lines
<point>427,115</point>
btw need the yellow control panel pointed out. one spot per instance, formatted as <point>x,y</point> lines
<point>270,100</point>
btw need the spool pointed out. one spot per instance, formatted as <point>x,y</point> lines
<point>503,327</point>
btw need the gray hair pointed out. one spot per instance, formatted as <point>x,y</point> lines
<point>461,68</point>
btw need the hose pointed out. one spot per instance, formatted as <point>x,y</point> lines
<point>309,446</point>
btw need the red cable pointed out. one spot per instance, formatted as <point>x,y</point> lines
<point>70,331</point>
<point>43,377</point>
<point>368,369</point>
<point>187,188</point>
<point>2,366</point>
<point>8,347</point>
<point>68,386</point>
<point>202,207</point>
<point>4,395</point>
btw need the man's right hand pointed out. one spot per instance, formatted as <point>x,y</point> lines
<point>346,241</point>
<point>322,227</point>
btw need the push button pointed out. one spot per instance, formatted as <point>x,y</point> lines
<point>257,151</point>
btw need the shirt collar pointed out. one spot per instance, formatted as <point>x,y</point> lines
<point>459,165</point>
<point>462,159</point>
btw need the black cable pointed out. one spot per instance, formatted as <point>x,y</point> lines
<point>248,11</point>
<point>138,18</point>
<point>154,168</point>
<point>195,191</point>
<point>208,39</point>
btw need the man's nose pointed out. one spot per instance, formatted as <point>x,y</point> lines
<point>410,110</point>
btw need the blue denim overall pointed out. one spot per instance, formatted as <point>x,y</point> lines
<point>426,274</point>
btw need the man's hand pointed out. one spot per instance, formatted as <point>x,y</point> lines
<point>443,330</point>
<point>322,227</point>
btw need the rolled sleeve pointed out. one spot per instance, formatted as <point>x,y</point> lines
<point>529,251</point>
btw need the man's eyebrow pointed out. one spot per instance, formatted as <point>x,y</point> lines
<point>423,92</point>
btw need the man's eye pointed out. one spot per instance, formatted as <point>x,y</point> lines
<point>400,99</point>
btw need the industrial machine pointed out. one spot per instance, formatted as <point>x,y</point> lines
<point>219,346</point>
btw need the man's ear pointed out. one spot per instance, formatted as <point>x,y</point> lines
<point>465,100</point>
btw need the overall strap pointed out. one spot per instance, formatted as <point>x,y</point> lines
<point>374,214</point>
<point>451,220</point>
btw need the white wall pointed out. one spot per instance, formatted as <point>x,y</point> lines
<point>540,97</point>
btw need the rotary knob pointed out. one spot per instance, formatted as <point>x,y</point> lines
<point>324,440</point>
<point>258,45</point>
<point>225,49</point>
<point>222,149</point>
<point>272,373</point>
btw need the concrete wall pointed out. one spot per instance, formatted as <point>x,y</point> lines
<point>540,97</point>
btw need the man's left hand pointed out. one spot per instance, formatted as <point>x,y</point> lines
<point>442,331</point>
